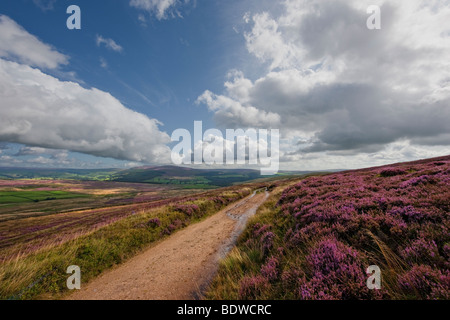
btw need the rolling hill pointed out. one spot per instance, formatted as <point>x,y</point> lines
<point>186,178</point>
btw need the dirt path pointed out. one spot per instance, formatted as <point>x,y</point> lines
<point>180,267</point>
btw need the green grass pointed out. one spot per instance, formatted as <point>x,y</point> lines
<point>10,197</point>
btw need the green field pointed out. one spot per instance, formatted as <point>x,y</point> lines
<point>10,197</point>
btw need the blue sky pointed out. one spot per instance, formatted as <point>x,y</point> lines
<point>147,67</point>
<point>163,67</point>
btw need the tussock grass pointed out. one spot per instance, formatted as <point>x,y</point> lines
<point>244,260</point>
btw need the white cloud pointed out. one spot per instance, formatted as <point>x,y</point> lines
<point>162,9</point>
<point>45,5</point>
<point>393,152</point>
<point>30,151</point>
<point>230,113</point>
<point>60,156</point>
<point>341,88</point>
<point>42,161</point>
<point>142,20</point>
<point>103,63</point>
<point>108,43</point>
<point>17,44</point>
<point>39,110</point>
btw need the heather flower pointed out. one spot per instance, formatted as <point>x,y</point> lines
<point>316,289</point>
<point>446,250</point>
<point>177,224</point>
<point>391,172</point>
<point>188,209</point>
<point>280,251</point>
<point>331,255</point>
<point>258,230</point>
<point>408,213</point>
<point>270,269</point>
<point>417,181</point>
<point>336,273</point>
<point>421,250</point>
<point>395,224</point>
<point>252,288</point>
<point>169,230</point>
<point>424,282</point>
<point>293,239</point>
<point>154,223</point>
<point>267,241</point>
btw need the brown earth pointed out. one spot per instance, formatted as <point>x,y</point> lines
<point>179,267</point>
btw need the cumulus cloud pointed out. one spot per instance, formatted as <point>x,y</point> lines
<point>342,87</point>
<point>59,155</point>
<point>17,44</point>
<point>162,9</point>
<point>30,151</point>
<point>108,43</point>
<point>39,110</point>
<point>38,157</point>
<point>43,112</point>
<point>230,113</point>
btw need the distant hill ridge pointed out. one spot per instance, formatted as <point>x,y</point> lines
<point>184,176</point>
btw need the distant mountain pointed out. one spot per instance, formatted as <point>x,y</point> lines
<point>186,176</point>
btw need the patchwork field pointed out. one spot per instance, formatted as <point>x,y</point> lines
<point>30,198</point>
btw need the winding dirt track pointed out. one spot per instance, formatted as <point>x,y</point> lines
<point>179,267</point>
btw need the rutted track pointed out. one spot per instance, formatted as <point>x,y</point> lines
<point>179,267</point>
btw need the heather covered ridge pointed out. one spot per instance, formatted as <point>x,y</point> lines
<point>316,238</point>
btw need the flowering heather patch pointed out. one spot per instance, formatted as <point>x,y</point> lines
<point>262,236</point>
<point>332,227</point>
<point>424,282</point>
<point>270,269</point>
<point>405,205</point>
<point>421,250</point>
<point>337,273</point>
<point>155,222</point>
<point>253,287</point>
<point>188,209</point>
<point>391,172</point>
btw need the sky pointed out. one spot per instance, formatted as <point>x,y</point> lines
<point>112,93</point>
